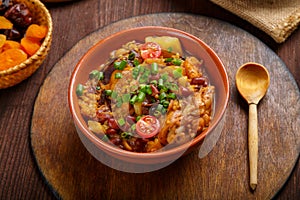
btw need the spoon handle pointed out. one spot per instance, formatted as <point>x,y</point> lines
<point>253,144</point>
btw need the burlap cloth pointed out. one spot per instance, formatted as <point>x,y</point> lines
<point>278,18</point>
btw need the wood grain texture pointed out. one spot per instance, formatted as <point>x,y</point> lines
<point>19,174</point>
<point>73,173</point>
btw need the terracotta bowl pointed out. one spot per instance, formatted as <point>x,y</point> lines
<point>18,73</point>
<point>142,162</point>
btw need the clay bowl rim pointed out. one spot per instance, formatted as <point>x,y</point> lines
<point>79,122</point>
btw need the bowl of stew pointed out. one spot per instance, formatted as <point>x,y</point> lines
<point>143,97</point>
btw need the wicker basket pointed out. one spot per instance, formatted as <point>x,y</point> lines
<point>18,73</point>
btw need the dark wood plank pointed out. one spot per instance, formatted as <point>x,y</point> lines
<point>73,172</point>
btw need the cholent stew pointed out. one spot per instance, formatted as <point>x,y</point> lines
<point>149,96</point>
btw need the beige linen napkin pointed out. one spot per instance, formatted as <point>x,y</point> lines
<point>278,18</point>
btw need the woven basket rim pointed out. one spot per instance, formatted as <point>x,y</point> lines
<point>42,48</point>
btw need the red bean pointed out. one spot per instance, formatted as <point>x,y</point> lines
<point>116,140</point>
<point>102,117</point>
<point>199,81</point>
<point>154,90</point>
<point>139,145</point>
<point>111,131</point>
<point>185,92</point>
<point>130,119</point>
<point>113,124</point>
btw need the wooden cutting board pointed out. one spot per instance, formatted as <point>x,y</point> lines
<point>73,173</point>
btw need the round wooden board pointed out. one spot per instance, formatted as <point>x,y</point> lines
<point>73,173</point>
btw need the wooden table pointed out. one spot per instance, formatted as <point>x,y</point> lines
<point>19,174</point>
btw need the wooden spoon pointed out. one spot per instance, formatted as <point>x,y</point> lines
<point>252,81</point>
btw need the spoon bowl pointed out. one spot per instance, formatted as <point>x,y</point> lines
<point>252,81</point>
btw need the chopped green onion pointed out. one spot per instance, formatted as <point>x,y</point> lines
<point>146,89</point>
<point>174,87</point>
<point>159,107</point>
<point>121,121</point>
<point>133,99</point>
<point>108,92</point>
<point>98,87</point>
<point>133,88</point>
<point>143,87</point>
<point>105,138</point>
<point>118,75</point>
<point>136,62</point>
<point>126,135</point>
<point>152,99</point>
<point>136,71</point>
<point>142,68</point>
<point>153,82</point>
<point>141,97</point>
<point>160,83</point>
<point>176,62</point>
<point>168,85</point>
<point>101,75</point>
<point>133,127</point>
<point>95,74</point>
<point>131,56</point>
<point>126,98</point>
<point>119,102</point>
<point>171,96</point>
<point>154,68</point>
<point>79,89</point>
<point>163,89</point>
<point>138,118</point>
<point>114,94</point>
<point>162,96</point>
<point>157,113</point>
<point>165,103</point>
<point>177,73</point>
<point>143,80</point>
<point>170,49</point>
<point>120,65</point>
<point>168,59</point>
<point>145,75</point>
<point>164,76</point>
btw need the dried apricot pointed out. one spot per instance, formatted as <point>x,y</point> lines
<point>2,40</point>
<point>10,44</point>
<point>5,23</point>
<point>11,57</point>
<point>36,32</point>
<point>30,46</point>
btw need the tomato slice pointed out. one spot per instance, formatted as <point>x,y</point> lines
<point>150,50</point>
<point>147,126</point>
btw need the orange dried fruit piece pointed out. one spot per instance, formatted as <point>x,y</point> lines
<point>36,32</point>
<point>30,46</point>
<point>2,40</point>
<point>11,57</point>
<point>5,23</point>
<point>10,44</point>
